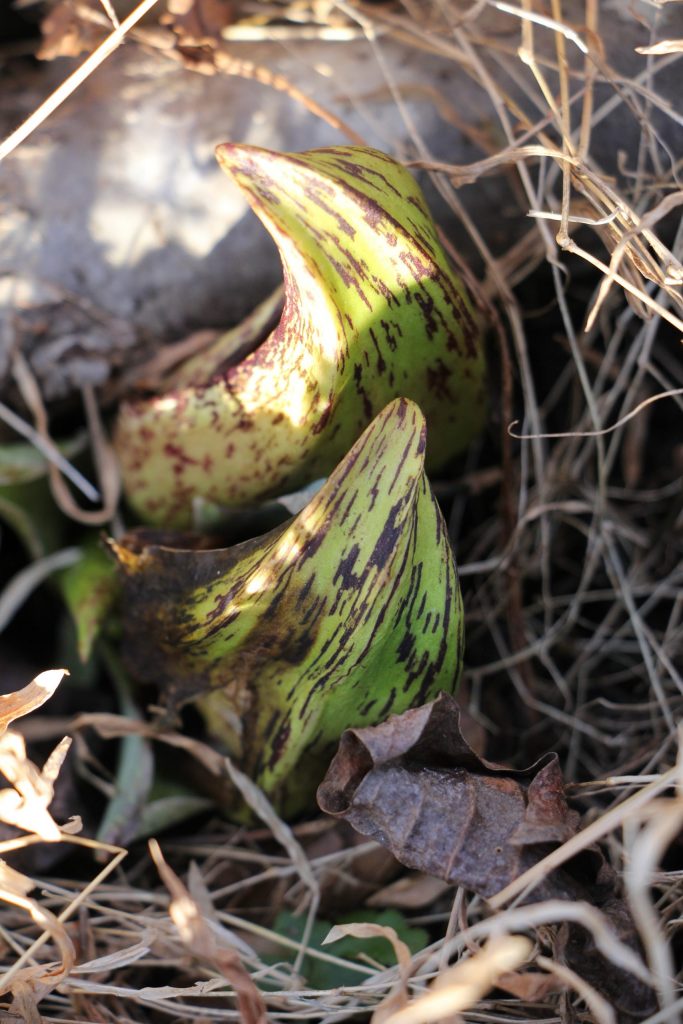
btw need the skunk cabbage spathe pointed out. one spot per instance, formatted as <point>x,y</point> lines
<point>349,612</point>
<point>372,311</point>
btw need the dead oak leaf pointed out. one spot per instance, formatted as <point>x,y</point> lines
<point>415,785</point>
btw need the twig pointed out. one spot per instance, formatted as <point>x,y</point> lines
<point>49,449</point>
<point>76,79</point>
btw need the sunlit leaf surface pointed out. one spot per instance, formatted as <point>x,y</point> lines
<point>372,312</point>
<point>349,612</point>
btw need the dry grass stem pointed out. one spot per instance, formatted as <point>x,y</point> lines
<point>75,80</point>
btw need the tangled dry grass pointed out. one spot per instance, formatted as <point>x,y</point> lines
<point>567,527</point>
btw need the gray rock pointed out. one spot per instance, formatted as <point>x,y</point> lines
<point>118,231</point>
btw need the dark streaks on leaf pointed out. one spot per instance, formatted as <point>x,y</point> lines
<point>371,306</point>
<point>323,623</point>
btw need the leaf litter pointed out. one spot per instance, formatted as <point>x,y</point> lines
<point>415,785</point>
<point>591,665</point>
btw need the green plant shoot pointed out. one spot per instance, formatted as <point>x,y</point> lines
<point>372,311</point>
<point>349,612</point>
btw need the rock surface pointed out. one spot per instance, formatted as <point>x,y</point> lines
<point>118,230</point>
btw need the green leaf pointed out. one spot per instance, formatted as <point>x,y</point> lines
<point>348,613</point>
<point>163,813</point>
<point>29,510</point>
<point>21,462</point>
<point>90,589</point>
<point>26,502</point>
<point>134,769</point>
<point>372,312</point>
<point>321,974</point>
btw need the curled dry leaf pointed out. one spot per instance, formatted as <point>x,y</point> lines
<point>28,985</point>
<point>24,804</point>
<point>398,997</point>
<point>13,883</point>
<point>32,696</point>
<point>415,785</point>
<point>372,311</point>
<point>350,610</point>
<point>369,930</point>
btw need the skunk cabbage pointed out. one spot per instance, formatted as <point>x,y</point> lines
<point>372,312</point>
<point>347,613</point>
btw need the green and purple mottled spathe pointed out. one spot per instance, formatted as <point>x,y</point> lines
<point>350,612</point>
<point>372,311</point>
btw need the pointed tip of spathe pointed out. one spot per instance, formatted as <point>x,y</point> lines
<point>246,163</point>
<point>401,409</point>
<point>226,152</point>
<point>267,178</point>
<point>402,417</point>
<point>253,168</point>
<point>236,157</point>
<point>241,156</point>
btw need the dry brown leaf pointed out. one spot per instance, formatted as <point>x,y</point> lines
<point>28,985</point>
<point>417,787</point>
<point>202,943</point>
<point>67,34</point>
<point>370,930</point>
<point>532,987</point>
<point>25,1003</point>
<point>21,702</point>
<point>398,997</point>
<point>24,804</point>
<point>14,882</point>
<point>409,893</point>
